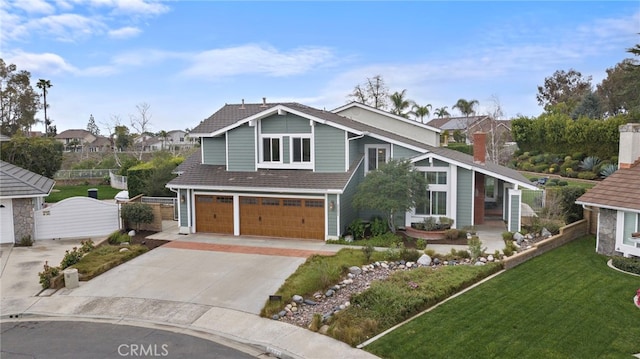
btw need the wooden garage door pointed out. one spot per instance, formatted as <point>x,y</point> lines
<point>214,214</point>
<point>282,217</point>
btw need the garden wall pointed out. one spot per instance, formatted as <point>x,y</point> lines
<point>156,224</point>
<point>567,234</point>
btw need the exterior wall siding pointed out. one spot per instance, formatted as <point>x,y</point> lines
<point>464,195</point>
<point>514,213</point>
<point>214,151</point>
<point>354,154</point>
<point>285,124</point>
<point>347,213</point>
<point>400,152</point>
<point>332,216</point>
<point>242,149</point>
<point>329,149</point>
<point>184,218</point>
<point>286,140</point>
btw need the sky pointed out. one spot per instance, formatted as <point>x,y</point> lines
<point>187,59</point>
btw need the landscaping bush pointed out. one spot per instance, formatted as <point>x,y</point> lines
<point>118,237</point>
<point>104,258</point>
<point>507,236</point>
<point>70,258</point>
<point>630,265</point>
<point>587,175</point>
<point>356,229</point>
<point>509,248</point>
<point>451,234</point>
<point>421,243</point>
<point>379,226</point>
<point>137,213</point>
<point>25,241</point>
<point>401,296</point>
<point>475,247</point>
<point>572,211</point>
<point>47,275</point>
<point>368,252</point>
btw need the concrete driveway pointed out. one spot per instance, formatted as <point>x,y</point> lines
<point>229,280</point>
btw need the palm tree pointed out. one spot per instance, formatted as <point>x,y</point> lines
<point>163,135</point>
<point>400,103</point>
<point>441,112</point>
<point>421,111</point>
<point>44,85</point>
<point>466,107</point>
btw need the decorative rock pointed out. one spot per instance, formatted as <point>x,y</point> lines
<point>330,293</point>
<point>384,265</point>
<point>436,261</point>
<point>518,237</point>
<point>424,260</point>
<point>446,263</point>
<point>545,233</point>
<point>282,313</point>
<point>131,233</point>
<point>123,250</point>
<point>309,302</point>
<point>410,264</point>
<point>124,243</point>
<point>402,266</point>
<point>336,288</point>
<point>490,258</point>
<point>479,263</point>
<point>350,275</point>
<point>482,259</point>
<point>275,317</point>
<point>297,298</point>
<point>402,262</point>
<point>355,270</point>
<point>347,304</point>
<point>347,281</point>
<point>317,295</point>
<point>294,309</point>
<point>323,329</point>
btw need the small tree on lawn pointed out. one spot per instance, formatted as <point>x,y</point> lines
<point>395,187</point>
<point>137,213</point>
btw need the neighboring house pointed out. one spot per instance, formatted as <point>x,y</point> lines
<point>289,170</point>
<point>21,193</point>
<point>79,140</point>
<point>175,140</point>
<point>473,124</point>
<point>4,138</point>
<point>616,199</point>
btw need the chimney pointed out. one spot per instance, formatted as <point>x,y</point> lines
<point>242,106</point>
<point>479,147</point>
<point>629,152</point>
<point>264,102</point>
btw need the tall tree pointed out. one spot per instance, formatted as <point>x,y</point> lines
<point>44,85</point>
<point>141,122</point>
<point>619,92</point>
<point>18,101</point>
<point>393,188</point>
<point>373,92</point>
<point>441,112</point>
<point>36,154</point>
<point>563,87</point>
<point>163,135</point>
<point>400,103</point>
<point>92,127</point>
<point>421,111</point>
<point>466,107</point>
<point>589,106</point>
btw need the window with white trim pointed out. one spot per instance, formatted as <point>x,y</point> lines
<point>436,204</point>
<point>375,155</point>
<point>271,149</point>
<point>300,149</point>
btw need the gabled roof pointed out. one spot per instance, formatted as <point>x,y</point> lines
<point>73,133</point>
<point>619,191</point>
<point>386,113</point>
<point>234,115</point>
<point>216,177</point>
<point>17,182</point>
<point>455,123</point>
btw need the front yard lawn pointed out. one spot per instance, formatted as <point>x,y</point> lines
<point>564,304</point>
<point>104,258</point>
<point>63,192</point>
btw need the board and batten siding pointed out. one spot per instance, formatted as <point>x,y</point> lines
<point>214,151</point>
<point>184,214</point>
<point>242,149</point>
<point>400,153</point>
<point>354,154</point>
<point>464,195</point>
<point>282,124</point>
<point>347,213</point>
<point>329,149</point>
<point>332,216</point>
<point>514,210</point>
<point>77,217</point>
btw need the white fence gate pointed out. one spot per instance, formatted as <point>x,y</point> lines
<point>77,217</point>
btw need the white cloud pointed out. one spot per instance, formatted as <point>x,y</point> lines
<point>124,32</point>
<point>256,59</point>
<point>35,6</point>
<point>129,7</point>
<point>146,57</point>
<point>41,63</point>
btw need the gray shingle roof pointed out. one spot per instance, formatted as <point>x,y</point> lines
<point>16,182</point>
<point>216,177</point>
<point>230,114</point>
<point>619,190</point>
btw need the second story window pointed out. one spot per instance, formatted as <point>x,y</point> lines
<point>301,149</point>
<point>375,155</point>
<point>271,149</point>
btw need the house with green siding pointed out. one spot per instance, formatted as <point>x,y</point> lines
<point>290,170</point>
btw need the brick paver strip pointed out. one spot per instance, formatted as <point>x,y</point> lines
<point>269,251</point>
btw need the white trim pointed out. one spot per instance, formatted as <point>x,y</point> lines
<point>597,231</point>
<point>386,147</point>
<point>226,151</point>
<point>302,164</point>
<point>453,190</point>
<point>202,159</point>
<point>259,189</point>
<point>337,218</point>
<point>518,193</point>
<point>615,208</point>
<point>346,151</point>
<point>27,195</point>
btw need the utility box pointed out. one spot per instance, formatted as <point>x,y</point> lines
<point>92,193</point>
<point>71,278</point>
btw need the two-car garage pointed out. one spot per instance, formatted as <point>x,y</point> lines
<point>261,216</point>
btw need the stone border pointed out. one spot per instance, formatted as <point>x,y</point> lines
<point>610,264</point>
